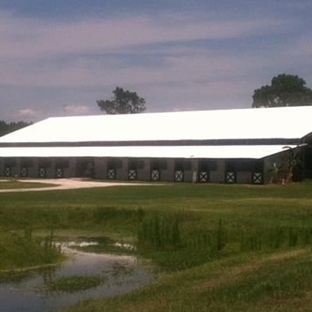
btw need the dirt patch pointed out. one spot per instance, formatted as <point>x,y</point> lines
<point>66,184</point>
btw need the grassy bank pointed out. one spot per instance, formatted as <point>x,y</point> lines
<point>246,282</point>
<point>19,251</point>
<point>223,247</point>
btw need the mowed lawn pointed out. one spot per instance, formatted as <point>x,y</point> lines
<point>9,184</point>
<point>232,247</point>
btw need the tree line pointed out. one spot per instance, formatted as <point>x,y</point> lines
<point>6,128</point>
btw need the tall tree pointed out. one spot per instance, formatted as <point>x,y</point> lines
<point>285,90</point>
<point>123,102</point>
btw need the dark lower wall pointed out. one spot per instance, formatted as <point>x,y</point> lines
<point>124,169</point>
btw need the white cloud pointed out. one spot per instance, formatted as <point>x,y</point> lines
<point>27,112</point>
<point>191,65</point>
<point>24,114</point>
<point>21,37</point>
<point>76,61</point>
<point>35,53</point>
<point>74,110</point>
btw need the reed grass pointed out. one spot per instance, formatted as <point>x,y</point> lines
<point>167,237</point>
<point>23,250</point>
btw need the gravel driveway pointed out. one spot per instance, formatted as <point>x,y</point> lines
<point>66,184</point>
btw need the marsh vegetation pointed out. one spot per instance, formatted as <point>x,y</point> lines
<point>20,250</point>
<point>74,283</point>
<point>219,247</point>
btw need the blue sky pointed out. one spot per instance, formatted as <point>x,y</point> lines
<point>59,57</point>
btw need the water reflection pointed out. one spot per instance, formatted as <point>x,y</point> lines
<point>26,292</point>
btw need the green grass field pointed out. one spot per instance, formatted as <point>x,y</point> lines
<point>219,247</point>
<point>12,183</point>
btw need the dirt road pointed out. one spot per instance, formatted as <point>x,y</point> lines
<point>65,184</point>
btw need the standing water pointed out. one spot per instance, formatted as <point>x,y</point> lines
<point>29,293</point>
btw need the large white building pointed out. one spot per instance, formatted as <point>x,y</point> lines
<point>232,146</point>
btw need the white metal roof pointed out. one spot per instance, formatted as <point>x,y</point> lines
<point>285,122</point>
<point>212,152</point>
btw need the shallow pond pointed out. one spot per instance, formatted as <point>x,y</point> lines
<point>120,274</point>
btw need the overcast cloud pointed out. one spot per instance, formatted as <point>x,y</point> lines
<point>60,60</point>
